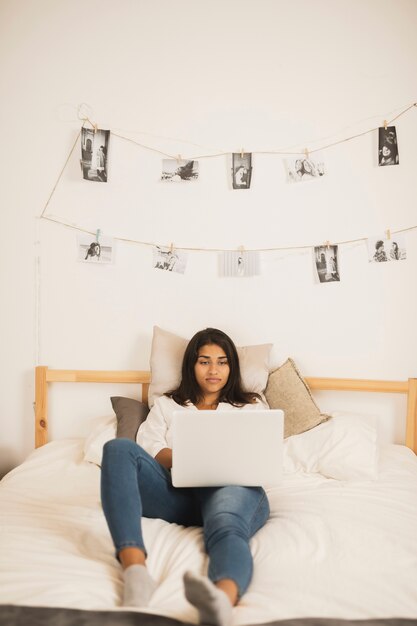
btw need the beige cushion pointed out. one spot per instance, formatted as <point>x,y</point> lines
<point>287,390</point>
<point>167,352</point>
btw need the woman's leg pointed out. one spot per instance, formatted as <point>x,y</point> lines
<point>133,485</point>
<point>231,515</point>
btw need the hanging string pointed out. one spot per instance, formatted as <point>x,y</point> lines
<point>61,173</point>
<point>137,143</point>
<point>281,152</point>
<point>117,132</point>
<point>366,132</point>
<point>217,153</point>
<point>85,119</point>
<point>199,249</point>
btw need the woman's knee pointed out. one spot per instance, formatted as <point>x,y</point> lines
<point>119,444</point>
<point>222,524</point>
<point>237,510</point>
<point>120,448</point>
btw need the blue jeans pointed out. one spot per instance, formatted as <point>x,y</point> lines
<point>133,485</point>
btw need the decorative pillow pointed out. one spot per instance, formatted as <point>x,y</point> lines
<point>166,359</point>
<point>130,414</point>
<point>344,448</point>
<point>287,390</point>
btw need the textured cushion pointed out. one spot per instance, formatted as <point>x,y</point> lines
<point>166,359</point>
<point>130,415</point>
<point>287,390</point>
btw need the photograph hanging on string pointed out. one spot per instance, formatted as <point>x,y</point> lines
<point>95,251</point>
<point>94,154</point>
<point>387,146</point>
<point>169,259</point>
<point>239,263</point>
<point>383,249</point>
<point>327,263</point>
<point>304,168</point>
<point>179,170</point>
<point>241,170</point>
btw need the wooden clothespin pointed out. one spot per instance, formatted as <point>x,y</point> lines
<point>171,248</point>
<point>385,124</point>
<point>388,233</point>
<point>242,153</point>
<point>98,232</point>
<point>95,128</point>
<point>306,153</point>
<point>178,158</point>
<point>327,244</point>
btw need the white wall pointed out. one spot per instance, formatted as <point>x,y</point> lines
<point>223,75</point>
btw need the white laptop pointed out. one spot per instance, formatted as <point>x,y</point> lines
<point>227,447</point>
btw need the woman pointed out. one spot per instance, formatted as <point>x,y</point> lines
<point>136,482</point>
<point>241,176</point>
<point>94,250</point>
<point>394,252</point>
<point>380,255</point>
<point>386,156</point>
<point>101,163</point>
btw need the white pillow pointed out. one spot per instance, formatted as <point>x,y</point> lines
<point>101,433</point>
<point>167,352</point>
<point>345,448</point>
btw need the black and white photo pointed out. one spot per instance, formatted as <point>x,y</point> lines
<point>169,259</point>
<point>387,146</point>
<point>241,170</point>
<point>239,263</point>
<point>382,249</point>
<point>95,251</point>
<point>179,170</point>
<point>304,168</point>
<point>94,154</point>
<point>327,263</point>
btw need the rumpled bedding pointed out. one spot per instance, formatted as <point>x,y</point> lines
<point>331,548</point>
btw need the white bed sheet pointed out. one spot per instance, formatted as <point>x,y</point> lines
<point>330,549</point>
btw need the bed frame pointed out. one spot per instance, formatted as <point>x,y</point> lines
<point>44,376</point>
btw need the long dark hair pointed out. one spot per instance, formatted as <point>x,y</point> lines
<point>189,390</point>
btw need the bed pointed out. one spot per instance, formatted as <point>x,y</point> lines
<point>338,549</point>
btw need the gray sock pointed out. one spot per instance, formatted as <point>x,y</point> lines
<point>138,586</point>
<point>213,605</point>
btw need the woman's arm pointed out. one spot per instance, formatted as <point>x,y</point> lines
<point>164,457</point>
<point>152,433</point>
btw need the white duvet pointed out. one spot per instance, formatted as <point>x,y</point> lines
<point>331,548</point>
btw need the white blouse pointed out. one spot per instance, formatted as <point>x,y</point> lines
<point>155,432</point>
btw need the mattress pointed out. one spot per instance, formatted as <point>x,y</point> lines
<point>332,549</point>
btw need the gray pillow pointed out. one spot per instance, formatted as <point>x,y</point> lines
<point>130,414</point>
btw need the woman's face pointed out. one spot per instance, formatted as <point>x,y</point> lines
<point>211,369</point>
<point>386,151</point>
<point>307,166</point>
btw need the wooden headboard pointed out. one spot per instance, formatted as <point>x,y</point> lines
<point>44,376</point>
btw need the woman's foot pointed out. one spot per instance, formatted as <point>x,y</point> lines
<point>138,586</point>
<point>213,605</point>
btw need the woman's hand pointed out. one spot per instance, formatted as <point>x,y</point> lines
<point>164,457</point>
